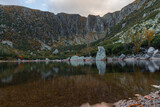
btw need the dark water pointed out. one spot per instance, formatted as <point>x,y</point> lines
<point>52,84</point>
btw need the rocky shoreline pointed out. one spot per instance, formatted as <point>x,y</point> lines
<point>150,54</point>
<point>151,100</point>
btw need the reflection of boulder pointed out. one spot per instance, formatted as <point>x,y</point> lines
<point>77,63</point>
<point>122,63</point>
<point>152,66</point>
<point>45,74</point>
<point>88,62</point>
<point>145,65</point>
<point>7,80</point>
<point>101,54</point>
<point>101,66</point>
<point>56,69</point>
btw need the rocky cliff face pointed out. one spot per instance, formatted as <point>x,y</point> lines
<point>37,27</point>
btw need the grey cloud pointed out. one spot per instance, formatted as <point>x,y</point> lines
<point>11,2</point>
<point>82,7</point>
<point>85,7</point>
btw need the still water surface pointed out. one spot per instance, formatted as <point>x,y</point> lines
<point>49,84</point>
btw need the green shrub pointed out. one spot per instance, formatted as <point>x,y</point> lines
<point>156,42</point>
<point>145,44</point>
<point>117,48</point>
<point>108,49</point>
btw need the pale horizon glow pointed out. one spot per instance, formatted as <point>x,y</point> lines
<point>82,7</point>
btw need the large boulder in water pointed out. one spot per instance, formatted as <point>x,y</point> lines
<point>101,54</point>
<point>150,51</point>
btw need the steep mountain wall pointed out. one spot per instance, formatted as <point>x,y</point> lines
<point>37,27</point>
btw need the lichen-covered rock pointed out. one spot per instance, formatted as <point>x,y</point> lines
<point>101,54</point>
<point>44,46</point>
<point>150,51</point>
<point>56,51</point>
<point>156,54</point>
<point>77,58</point>
<point>9,43</point>
<point>89,59</point>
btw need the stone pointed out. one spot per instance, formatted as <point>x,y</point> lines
<point>77,58</point>
<point>77,62</point>
<point>123,25</point>
<point>31,53</point>
<point>156,86</point>
<point>56,51</point>
<point>9,43</point>
<point>150,51</point>
<point>156,54</point>
<point>44,46</point>
<point>47,59</point>
<point>7,80</point>
<point>146,56</point>
<point>101,54</point>
<point>122,56</point>
<point>89,58</point>
<point>144,15</point>
<point>74,58</point>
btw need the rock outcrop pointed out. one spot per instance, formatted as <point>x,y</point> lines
<point>17,23</point>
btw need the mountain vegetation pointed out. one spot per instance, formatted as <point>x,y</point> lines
<point>32,34</point>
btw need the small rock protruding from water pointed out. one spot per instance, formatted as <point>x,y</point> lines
<point>101,54</point>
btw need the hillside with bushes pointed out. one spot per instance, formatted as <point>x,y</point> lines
<point>36,35</point>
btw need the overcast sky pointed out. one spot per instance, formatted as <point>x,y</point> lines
<point>82,7</point>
